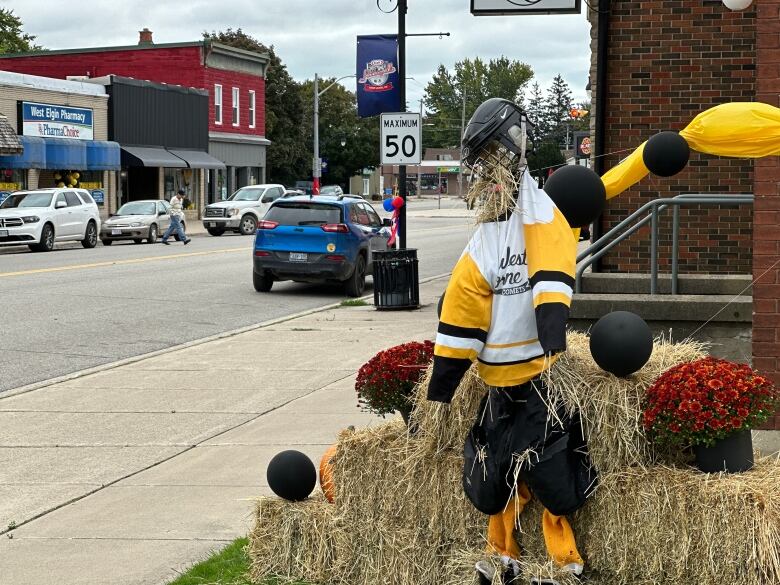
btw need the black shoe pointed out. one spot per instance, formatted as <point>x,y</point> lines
<point>166,242</point>
<point>187,241</point>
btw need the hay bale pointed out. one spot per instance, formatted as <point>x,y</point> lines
<point>293,540</point>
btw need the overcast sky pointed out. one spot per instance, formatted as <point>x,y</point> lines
<point>312,36</point>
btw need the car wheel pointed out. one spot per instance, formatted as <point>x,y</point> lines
<point>262,281</point>
<point>91,237</point>
<point>107,242</point>
<point>248,225</point>
<point>356,284</point>
<point>47,240</point>
<point>216,231</point>
<point>152,234</point>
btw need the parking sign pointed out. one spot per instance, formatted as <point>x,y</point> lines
<point>401,139</point>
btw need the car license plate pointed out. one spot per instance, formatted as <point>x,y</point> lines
<point>116,232</point>
<point>211,224</point>
<point>3,233</point>
<point>298,257</point>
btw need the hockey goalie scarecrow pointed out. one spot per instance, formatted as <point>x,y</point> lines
<point>506,307</point>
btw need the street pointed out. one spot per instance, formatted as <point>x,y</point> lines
<point>73,308</point>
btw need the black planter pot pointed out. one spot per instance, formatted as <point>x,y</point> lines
<point>406,414</point>
<point>733,454</point>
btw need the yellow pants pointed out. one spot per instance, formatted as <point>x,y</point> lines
<point>558,535</point>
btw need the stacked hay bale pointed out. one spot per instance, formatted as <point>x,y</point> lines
<point>400,516</point>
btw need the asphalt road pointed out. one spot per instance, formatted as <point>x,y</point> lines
<point>73,308</point>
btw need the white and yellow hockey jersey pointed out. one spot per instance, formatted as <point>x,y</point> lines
<point>508,299</point>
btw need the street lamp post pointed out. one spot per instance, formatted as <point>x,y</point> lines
<point>317,163</point>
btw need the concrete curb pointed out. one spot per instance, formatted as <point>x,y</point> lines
<point>195,342</point>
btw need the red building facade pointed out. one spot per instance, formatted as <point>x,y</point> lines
<point>234,79</point>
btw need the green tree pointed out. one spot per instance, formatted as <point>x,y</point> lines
<point>536,111</point>
<point>545,158</point>
<point>12,38</point>
<point>473,81</point>
<point>289,156</point>
<point>339,122</point>
<point>557,107</point>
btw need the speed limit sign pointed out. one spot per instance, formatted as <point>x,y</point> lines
<point>401,139</point>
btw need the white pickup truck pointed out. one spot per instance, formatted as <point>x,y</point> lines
<point>242,210</point>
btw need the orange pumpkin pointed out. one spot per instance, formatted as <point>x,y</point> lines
<point>326,474</point>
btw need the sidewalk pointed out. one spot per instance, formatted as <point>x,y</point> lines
<point>150,466</point>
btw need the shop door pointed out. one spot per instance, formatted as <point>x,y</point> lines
<point>143,183</point>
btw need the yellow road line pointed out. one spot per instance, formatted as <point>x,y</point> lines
<point>121,262</point>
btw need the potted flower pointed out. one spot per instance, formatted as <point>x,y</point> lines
<point>385,383</point>
<point>710,404</point>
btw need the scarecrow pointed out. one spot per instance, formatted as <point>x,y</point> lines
<point>506,307</point>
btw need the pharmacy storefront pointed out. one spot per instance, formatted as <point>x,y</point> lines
<point>62,128</point>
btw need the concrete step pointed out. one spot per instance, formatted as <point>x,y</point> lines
<point>688,284</point>
<point>687,307</point>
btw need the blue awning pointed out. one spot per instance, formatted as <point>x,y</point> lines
<point>33,156</point>
<point>103,155</point>
<point>66,154</point>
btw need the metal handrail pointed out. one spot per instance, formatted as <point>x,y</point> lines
<point>601,246</point>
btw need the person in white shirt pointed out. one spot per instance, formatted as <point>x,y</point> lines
<point>176,214</point>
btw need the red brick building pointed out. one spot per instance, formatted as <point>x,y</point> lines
<point>666,61</point>
<point>234,78</point>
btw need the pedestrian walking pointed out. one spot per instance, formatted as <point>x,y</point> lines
<point>176,213</point>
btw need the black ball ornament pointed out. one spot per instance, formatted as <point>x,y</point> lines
<point>291,475</point>
<point>666,154</point>
<point>578,193</point>
<point>621,343</point>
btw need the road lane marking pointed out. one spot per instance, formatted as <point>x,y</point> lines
<point>121,262</point>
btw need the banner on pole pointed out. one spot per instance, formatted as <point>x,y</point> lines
<point>377,75</point>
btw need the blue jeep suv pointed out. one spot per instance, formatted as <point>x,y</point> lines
<point>318,239</point>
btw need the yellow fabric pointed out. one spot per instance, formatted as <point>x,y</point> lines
<point>460,353</point>
<point>468,300</point>
<point>518,344</point>
<point>559,540</point>
<point>551,297</point>
<point>631,170</point>
<point>550,246</point>
<point>738,129</point>
<point>558,535</point>
<point>516,374</point>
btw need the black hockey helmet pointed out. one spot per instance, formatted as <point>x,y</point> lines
<point>495,119</point>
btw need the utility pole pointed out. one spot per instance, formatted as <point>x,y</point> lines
<point>462,130</point>
<point>402,6</point>
<point>317,166</point>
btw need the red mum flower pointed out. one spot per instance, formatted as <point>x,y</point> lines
<point>715,384</point>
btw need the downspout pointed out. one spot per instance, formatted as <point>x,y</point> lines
<point>602,53</point>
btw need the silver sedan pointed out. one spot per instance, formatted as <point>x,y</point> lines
<point>137,221</point>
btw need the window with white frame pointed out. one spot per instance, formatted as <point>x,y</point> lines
<point>235,106</point>
<point>217,104</point>
<point>251,109</point>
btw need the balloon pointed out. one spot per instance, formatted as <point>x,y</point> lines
<point>57,176</point>
<point>398,202</point>
<point>737,4</point>
<point>72,182</point>
<point>578,193</point>
<point>60,184</point>
<point>291,475</point>
<point>76,175</point>
<point>326,474</point>
<point>621,343</point>
<point>666,154</point>
<point>387,205</point>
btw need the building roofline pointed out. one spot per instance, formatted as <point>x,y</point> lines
<point>112,79</point>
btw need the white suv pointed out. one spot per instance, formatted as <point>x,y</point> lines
<point>242,210</point>
<point>40,218</point>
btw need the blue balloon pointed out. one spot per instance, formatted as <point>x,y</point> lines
<point>388,204</point>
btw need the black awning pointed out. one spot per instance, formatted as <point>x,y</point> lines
<point>197,159</point>
<point>147,156</point>
<point>9,141</point>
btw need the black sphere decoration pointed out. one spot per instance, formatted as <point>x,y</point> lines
<point>621,343</point>
<point>666,154</point>
<point>441,303</point>
<point>291,475</point>
<point>578,192</point>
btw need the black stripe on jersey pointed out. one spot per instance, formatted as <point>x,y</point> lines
<point>525,361</point>
<point>465,332</point>
<point>552,275</point>
<point>551,326</point>
<point>447,374</point>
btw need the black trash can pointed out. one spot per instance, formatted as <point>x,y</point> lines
<point>396,281</point>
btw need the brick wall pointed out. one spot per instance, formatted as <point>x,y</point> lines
<point>668,61</point>
<point>175,65</point>
<point>766,289</point>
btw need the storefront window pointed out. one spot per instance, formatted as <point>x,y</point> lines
<point>92,181</point>
<point>12,180</point>
<point>186,179</point>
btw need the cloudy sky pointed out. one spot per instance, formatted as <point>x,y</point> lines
<point>319,36</point>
